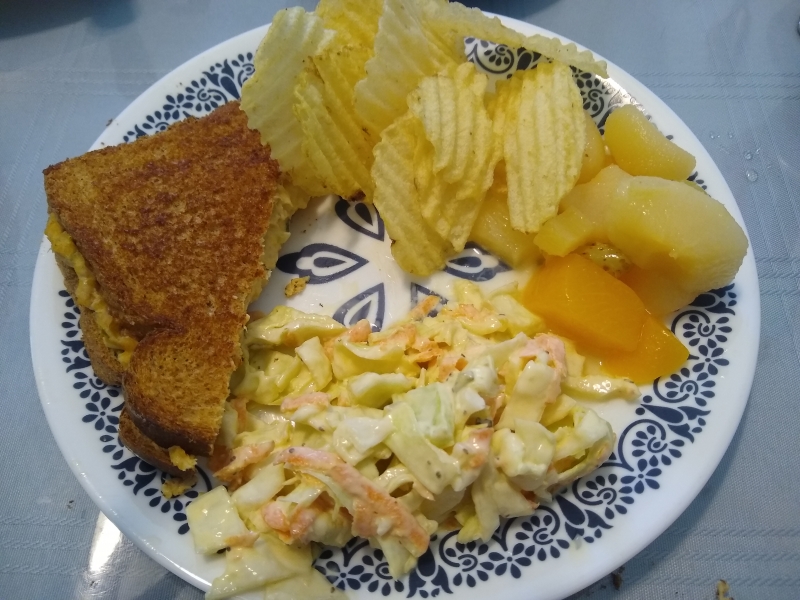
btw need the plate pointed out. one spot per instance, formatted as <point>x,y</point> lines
<point>668,443</point>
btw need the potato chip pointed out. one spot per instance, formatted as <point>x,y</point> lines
<point>401,157</point>
<point>451,109</point>
<point>497,107</point>
<point>403,55</point>
<point>355,21</point>
<point>452,22</point>
<point>566,53</point>
<point>268,96</point>
<point>334,140</point>
<point>543,143</point>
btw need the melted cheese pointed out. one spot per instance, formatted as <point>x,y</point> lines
<point>86,292</point>
<point>180,459</point>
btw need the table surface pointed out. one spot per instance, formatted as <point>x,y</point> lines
<point>729,68</point>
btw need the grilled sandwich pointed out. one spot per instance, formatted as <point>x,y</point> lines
<point>163,243</point>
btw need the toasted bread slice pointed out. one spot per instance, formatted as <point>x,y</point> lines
<point>145,448</point>
<point>171,229</point>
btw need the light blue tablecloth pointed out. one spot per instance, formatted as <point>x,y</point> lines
<point>729,68</point>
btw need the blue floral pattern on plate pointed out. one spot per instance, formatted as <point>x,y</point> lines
<point>104,403</point>
<point>668,418</point>
<point>321,263</point>
<point>369,304</point>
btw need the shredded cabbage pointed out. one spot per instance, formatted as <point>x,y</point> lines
<point>355,437</point>
<point>351,358</point>
<point>375,390</point>
<point>289,327</point>
<point>313,355</point>
<point>213,521</point>
<point>260,489</point>
<point>433,411</point>
<point>530,394</point>
<point>518,318</point>
<point>267,561</point>
<point>525,455</point>
<point>464,418</point>
<point>431,466</point>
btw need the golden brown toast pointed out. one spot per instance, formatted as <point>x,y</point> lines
<point>145,448</point>
<point>172,228</point>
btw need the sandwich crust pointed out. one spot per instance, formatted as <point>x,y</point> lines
<point>172,228</point>
<point>145,448</point>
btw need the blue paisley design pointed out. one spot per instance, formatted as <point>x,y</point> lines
<point>321,263</point>
<point>220,83</point>
<point>600,95</point>
<point>362,217</point>
<point>369,304</point>
<point>668,419</point>
<point>475,263</point>
<point>420,292</point>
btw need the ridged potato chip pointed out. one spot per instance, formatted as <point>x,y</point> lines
<point>334,140</point>
<point>566,53</point>
<point>268,96</point>
<point>497,107</point>
<point>403,164</point>
<point>328,84</point>
<point>450,106</point>
<point>452,22</point>
<point>404,53</point>
<point>543,141</point>
<point>355,21</point>
<point>542,145</point>
<point>492,229</point>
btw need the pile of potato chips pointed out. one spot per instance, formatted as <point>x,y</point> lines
<point>375,99</point>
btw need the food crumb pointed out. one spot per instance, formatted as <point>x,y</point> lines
<point>616,578</point>
<point>295,286</point>
<point>175,486</point>
<point>71,504</point>
<point>723,590</point>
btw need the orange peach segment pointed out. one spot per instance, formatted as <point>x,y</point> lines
<point>659,353</point>
<point>579,300</point>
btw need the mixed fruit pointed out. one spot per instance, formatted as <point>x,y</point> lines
<point>632,242</point>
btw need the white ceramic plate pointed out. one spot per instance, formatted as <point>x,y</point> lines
<point>669,442</point>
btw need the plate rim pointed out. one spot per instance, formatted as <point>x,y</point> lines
<point>746,361</point>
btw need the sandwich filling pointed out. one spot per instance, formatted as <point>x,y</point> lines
<point>288,199</point>
<point>87,295</point>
